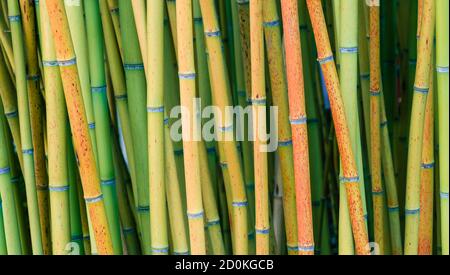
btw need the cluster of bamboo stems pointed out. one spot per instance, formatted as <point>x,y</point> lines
<point>88,159</point>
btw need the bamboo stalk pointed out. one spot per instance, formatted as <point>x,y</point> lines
<point>72,89</point>
<point>375,122</point>
<point>259,104</point>
<point>36,106</point>
<point>443,113</point>
<point>25,126</point>
<point>298,119</point>
<point>57,142</point>
<point>222,98</point>
<point>280,99</point>
<point>425,243</point>
<point>102,121</point>
<point>155,110</point>
<point>119,87</point>
<point>190,126</point>
<point>139,12</point>
<point>342,133</point>
<point>421,88</point>
<point>8,213</point>
<point>136,82</point>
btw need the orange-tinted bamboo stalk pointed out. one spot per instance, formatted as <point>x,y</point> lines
<point>350,172</point>
<point>298,119</point>
<point>375,122</point>
<point>88,170</point>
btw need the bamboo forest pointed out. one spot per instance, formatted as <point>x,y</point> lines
<point>224,127</point>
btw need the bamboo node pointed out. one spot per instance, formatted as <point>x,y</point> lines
<point>348,49</point>
<point>11,114</point>
<point>143,209</point>
<point>393,209</point>
<point>28,151</point>
<point>159,109</point>
<point>134,67</point>
<point>213,222</point>
<point>189,76</point>
<point>215,33</point>
<point>52,63</point>
<point>91,125</point>
<point>306,248</point>
<point>412,211</point>
<point>240,204</point>
<point>160,250</point>
<point>442,70</point>
<point>94,199</point>
<point>195,215</point>
<point>427,165</point>
<point>14,18</point>
<point>99,89</point>
<point>444,195</point>
<point>4,171</point>
<point>349,179</point>
<point>285,143</point>
<point>262,231</point>
<point>58,189</point>
<point>127,231</point>
<point>299,121</point>
<point>274,23</point>
<point>325,60</point>
<point>108,182</point>
<point>69,62</point>
<point>421,90</point>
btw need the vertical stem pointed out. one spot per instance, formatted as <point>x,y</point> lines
<point>350,173</point>
<point>72,89</point>
<point>421,89</point>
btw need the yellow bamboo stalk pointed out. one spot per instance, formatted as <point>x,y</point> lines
<point>222,99</point>
<point>259,103</point>
<point>190,125</point>
<point>78,122</point>
<point>141,28</point>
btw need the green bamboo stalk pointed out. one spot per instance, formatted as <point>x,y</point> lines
<point>101,115</point>
<point>6,42</point>
<point>25,126</point>
<point>443,113</point>
<point>10,230</point>
<point>129,230</point>
<point>136,82</point>
<point>421,88</point>
<point>119,88</point>
<point>155,118</point>
<point>222,98</point>
<point>57,142</point>
<point>348,47</point>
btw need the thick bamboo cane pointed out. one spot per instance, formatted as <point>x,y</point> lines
<point>298,119</point>
<point>140,19</point>
<point>57,142</point>
<point>350,174</point>
<point>155,119</point>
<point>421,89</point>
<point>190,125</point>
<point>72,90</point>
